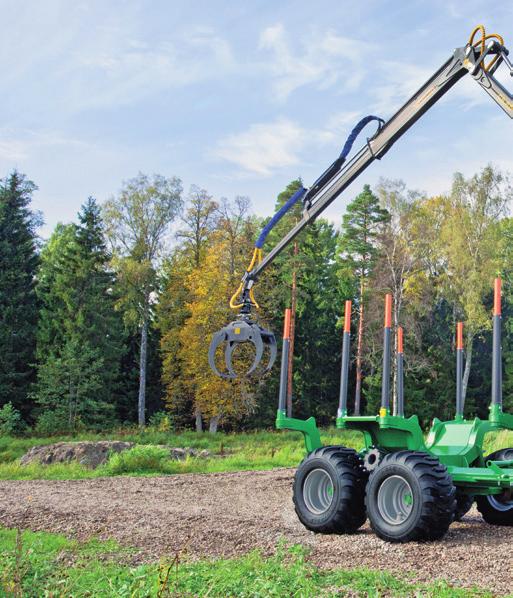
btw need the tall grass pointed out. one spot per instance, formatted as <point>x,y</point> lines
<point>37,564</point>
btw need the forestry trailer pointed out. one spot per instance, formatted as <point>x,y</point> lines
<point>408,486</point>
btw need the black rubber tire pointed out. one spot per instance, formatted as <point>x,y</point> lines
<point>433,500</point>
<point>464,503</point>
<point>489,513</point>
<point>346,513</point>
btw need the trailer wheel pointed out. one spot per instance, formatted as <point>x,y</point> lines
<point>329,490</point>
<point>497,509</point>
<point>410,496</point>
<point>464,503</point>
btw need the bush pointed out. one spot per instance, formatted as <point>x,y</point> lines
<point>161,421</point>
<point>50,423</point>
<point>138,459</point>
<point>10,420</point>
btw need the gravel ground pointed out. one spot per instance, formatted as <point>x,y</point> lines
<point>229,514</point>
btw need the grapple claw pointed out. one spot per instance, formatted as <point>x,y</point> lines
<point>217,339</point>
<point>242,331</point>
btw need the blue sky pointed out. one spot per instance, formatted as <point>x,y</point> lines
<point>236,97</point>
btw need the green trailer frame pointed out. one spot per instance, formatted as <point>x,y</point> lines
<point>458,444</point>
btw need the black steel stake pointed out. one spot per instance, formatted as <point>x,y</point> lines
<point>497,349</point>
<point>459,371</point>
<point>399,373</point>
<point>344,370</point>
<point>385,384</point>
<point>282,401</point>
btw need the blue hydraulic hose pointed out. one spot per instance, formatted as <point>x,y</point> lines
<point>321,181</point>
<point>356,131</point>
<point>278,216</point>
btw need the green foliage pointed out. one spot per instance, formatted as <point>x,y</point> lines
<point>162,421</point>
<point>37,564</point>
<point>80,336</point>
<point>140,459</point>
<point>18,302</point>
<point>10,420</point>
<point>361,226</point>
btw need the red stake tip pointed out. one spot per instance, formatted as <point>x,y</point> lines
<point>400,339</point>
<point>347,317</point>
<point>388,310</point>
<point>459,336</point>
<point>286,324</point>
<point>497,297</point>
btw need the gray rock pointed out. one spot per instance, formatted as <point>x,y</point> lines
<point>88,453</point>
<point>95,453</point>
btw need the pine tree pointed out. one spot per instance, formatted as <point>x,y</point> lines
<point>18,302</point>
<point>360,228</point>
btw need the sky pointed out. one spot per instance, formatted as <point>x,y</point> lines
<point>238,98</point>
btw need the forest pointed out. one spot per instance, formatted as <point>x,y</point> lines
<point>107,322</point>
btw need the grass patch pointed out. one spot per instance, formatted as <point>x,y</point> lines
<point>230,452</point>
<point>34,564</point>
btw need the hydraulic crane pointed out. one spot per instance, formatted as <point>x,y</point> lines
<point>480,58</point>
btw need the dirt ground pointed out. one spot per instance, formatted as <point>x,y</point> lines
<point>229,514</point>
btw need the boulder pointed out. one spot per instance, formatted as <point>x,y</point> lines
<point>88,453</point>
<point>180,454</point>
<point>95,453</point>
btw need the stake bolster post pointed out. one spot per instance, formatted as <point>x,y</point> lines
<point>459,371</point>
<point>282,401</point>
<point>400,374</point>
<point>385,384</point>
<point>497,349</point>
<point>344,370</point>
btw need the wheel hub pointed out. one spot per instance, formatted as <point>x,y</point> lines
<point>395,500</point>
<point>318,491</point>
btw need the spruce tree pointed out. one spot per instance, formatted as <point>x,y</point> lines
<point>18,302</point>
<point>360,227</point>
<point>80,335</point>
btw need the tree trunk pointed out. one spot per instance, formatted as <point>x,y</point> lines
<point>142,373</point>
<point>292,333</point>
<point>199,421</point>
<point>359,349</point>
<point>214,421</point>
<point>468,363</point>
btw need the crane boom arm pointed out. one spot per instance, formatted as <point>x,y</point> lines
<point>464,60</point>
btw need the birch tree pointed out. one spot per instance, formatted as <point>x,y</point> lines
<point>137,222</point>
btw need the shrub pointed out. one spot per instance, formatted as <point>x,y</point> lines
<point>161,421</point>
<point>50,423</point>
<point>145,458</point>
<point>10,420</point>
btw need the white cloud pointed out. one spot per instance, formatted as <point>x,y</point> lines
<point>324,59</point>
<point>18,145</point>
<point>266,148</point>
<point>125,69</point>
<point>263,148</point>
